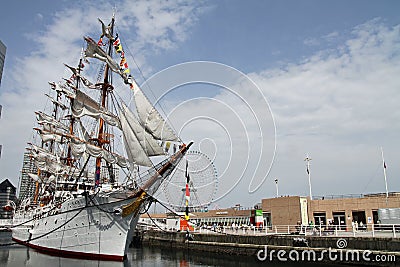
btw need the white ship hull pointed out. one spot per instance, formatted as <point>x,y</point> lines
<point>79,230</point>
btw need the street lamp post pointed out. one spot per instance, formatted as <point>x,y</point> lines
<point>307,160</point>
<point>384,175</point>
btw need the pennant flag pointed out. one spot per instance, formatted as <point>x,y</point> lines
<point>186,172</point>
<point>187,194</point>
<point>167,145</point>
<point>117,45</point>
<point>118,48</point>
<point>122,62</point>
<point>116,41</point>
<point>187,214</point>
<point>124,68</point>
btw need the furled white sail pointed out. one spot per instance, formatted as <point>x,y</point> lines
<point>47,136</point>
<point>59,88</point>
<point>56,102</point>
<point>89,84</point>
<point>84,80</point>
<point>34,177</point>
<point>78,148</point>
<point>47,162</point>
<point>49,122</point>
<point>134,149</point>
<point>106,30</point>
<point>146,140</point>
<point>82,131</point>
<point>150,118</point>
<point>84,105</point>
<point>95,51</point>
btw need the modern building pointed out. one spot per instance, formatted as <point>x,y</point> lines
<point>2,58</point>
<point>336,210</point>
<point>27,185</point>
<point>222,217</point>
<point>7,192</point>
<point>342,211</point>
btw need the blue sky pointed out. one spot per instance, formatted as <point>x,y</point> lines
<point>328,70</point>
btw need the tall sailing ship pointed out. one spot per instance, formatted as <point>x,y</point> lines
<point>79,208</point>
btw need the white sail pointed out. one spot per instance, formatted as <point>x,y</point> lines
<point>134,149</point>
<point>72,175</point>
<point>49,123</point>
<point>150,118</point>
<point>78,148</point>
<point>59,88</point>
<point>34,177</point>
<point>106,30</point>
<point>84,80</point>
<point>146,140</point>
<point>56,102</point>
<point>84,105</point>
<point>48,164</point>
<point>82,131</point>
<point>95,51</point>
<point>56,136</point>
<point>89,84</point>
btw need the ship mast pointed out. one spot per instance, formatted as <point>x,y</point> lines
<point>72,119</point>
<point>101,137</point>
<point>51,146</point>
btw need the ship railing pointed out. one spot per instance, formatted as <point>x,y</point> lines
<point>5,223</point>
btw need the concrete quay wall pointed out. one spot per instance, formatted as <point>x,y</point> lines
<point>362,243</point>
<point>251,245</point>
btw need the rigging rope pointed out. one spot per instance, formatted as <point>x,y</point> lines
<point>149,88</point>
<point>181,217</point>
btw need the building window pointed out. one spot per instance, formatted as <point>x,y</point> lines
<point>320,218</point>
<point>375,216</point>
<point>339,220</point>
<point>359,216</point>
<point>267,219</point>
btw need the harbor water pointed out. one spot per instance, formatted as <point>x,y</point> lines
<point>18,255</point>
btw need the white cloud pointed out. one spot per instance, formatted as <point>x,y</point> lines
<point>339,106</point>
<point>159,25</point>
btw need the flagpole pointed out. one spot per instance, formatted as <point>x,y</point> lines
<point>384,174</point>
<point>308,159</point>
<point>276,184</point>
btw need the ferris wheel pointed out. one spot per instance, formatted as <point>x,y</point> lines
<point>203,182</point>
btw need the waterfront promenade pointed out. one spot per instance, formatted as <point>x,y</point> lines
<point>387,231</point>
<point>370,230</point>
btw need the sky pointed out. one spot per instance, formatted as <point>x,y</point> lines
<point>257,85</point>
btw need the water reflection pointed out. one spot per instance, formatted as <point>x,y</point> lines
<point>17,255</point>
